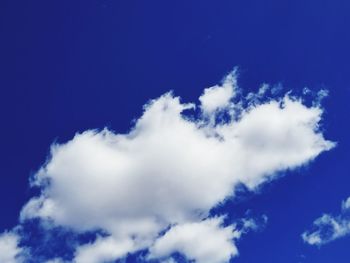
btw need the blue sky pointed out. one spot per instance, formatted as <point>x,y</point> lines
<point>70,66</point>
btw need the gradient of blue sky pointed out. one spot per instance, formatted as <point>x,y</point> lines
<point>68,66</point>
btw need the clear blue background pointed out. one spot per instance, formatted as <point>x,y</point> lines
<point>67,66</point>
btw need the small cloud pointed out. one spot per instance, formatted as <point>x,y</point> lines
<point>328,228</point>
<point>219,97</point>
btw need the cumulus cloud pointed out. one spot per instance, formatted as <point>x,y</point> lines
<point>328,228</point>
<point>10,252</point>
<point>153,188</point>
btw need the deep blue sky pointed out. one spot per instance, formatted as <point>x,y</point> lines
<point>67,66</point>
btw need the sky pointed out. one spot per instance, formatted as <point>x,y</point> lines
<point>174,131</point>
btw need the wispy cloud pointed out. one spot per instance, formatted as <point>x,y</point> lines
<point>328,228</point>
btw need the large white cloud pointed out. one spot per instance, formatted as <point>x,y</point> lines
<point>170,170</point>
<point>328,228</point>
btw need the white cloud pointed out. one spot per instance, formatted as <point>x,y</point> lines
<point>10,252</point>
<point>218,97</point>
<point>103,250</point>
<point>328,228</point>
<point>170,170</point>
<point>205,242</point>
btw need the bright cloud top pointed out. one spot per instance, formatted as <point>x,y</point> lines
<point>170,170</point>
<point>328,228</point>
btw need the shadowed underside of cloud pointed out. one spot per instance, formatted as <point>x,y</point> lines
<point>152,188</point>
<point>328,228</point>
